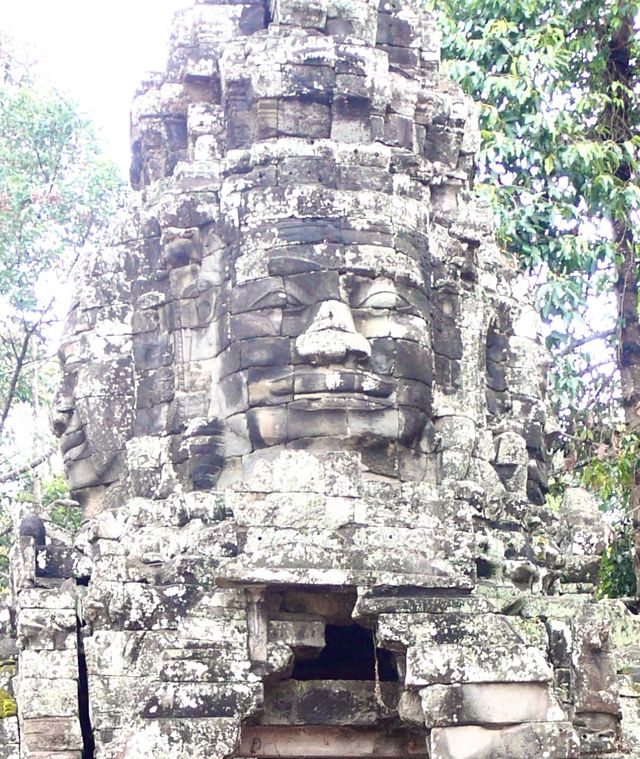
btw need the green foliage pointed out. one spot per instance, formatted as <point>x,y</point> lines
<point>63,511</point>
<point>55,489</point>
<point>617,576</point>
<point>56,190</point>
<point>559,115</point>
<point>611,474</point>
<point>58,193</point>
<point>559,155</point>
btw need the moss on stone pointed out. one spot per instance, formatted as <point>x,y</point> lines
<point>8,706</point>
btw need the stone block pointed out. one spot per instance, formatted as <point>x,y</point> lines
<point>346,20</point>
<point>351,120</point>
<point>306,14</point>
<point>303,635</point>
<point>267,426</point>
<point>488,704</point>
<point>43,598</point>
<point>50,665</point>
<point>302,118</point>
<point>39,697</point>
<point>593,669</point>
<point>205,665</point>
<point>447,627</point>
<point>584,528</point>
<point>342,473</point>
<point>286,510</point>
<point>598,733</point>
<point>298,472</point>
<point>511,449</point>
<point>200,700</point>
<point>269,386</point>
<point>52,734</point>
<point>262,323</point>
<point>337,702</point>
<point>450,663</point>
<point>47,629</point>
<point>527,741</point>
<point>308,80</point>
<point>180,738</point>
<point>370,603</point>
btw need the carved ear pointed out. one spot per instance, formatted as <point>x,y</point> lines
<point>203,444</point>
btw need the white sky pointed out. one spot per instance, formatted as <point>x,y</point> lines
<point>97,51</point>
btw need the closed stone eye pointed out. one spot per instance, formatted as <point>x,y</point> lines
<point>384,299</point>
<point>270,299</point>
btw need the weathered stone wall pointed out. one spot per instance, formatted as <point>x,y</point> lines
<point>303,410</point>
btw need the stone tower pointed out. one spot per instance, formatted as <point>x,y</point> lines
<point>303,411</point>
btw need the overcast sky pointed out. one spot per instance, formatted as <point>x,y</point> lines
<point>97,50</point>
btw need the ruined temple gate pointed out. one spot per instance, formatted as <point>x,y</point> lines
<point>303,411</point>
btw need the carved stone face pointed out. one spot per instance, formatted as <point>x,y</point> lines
<point>331,349</point>
<point>93,409</point>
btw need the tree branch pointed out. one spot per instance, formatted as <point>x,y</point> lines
<point>593,367</point>
<point>20,359</point>
<point>13,475</point>
<point>579,342</point>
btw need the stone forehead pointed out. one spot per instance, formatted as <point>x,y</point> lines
<point>371,261</point>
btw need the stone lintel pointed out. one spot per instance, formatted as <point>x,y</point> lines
<point>264,742</point>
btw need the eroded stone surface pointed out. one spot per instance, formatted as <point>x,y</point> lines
<point>303,410</point>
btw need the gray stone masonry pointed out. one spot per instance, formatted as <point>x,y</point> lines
<point>303,409</point>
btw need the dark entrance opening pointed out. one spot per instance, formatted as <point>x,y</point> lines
<point>349,654</point>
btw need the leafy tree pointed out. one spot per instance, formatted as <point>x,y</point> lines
<point>57,194</point>
<point>557,86</point>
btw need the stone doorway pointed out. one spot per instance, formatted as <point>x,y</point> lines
<point>337,696</point>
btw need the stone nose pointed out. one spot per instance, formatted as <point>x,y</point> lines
<point>332,336</point>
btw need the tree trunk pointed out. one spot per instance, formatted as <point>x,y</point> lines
<point>628,359</point>
<point>618,128</point>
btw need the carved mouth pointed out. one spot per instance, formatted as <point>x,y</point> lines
<point>346,402</point>
<point>340,387</point>
<point>340,382</point>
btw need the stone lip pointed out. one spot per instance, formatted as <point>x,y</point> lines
<point>337,388</point>
<point>73,444</point>
<point>337,400</point>
<point>330,702</point>
<point>344,382</point>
